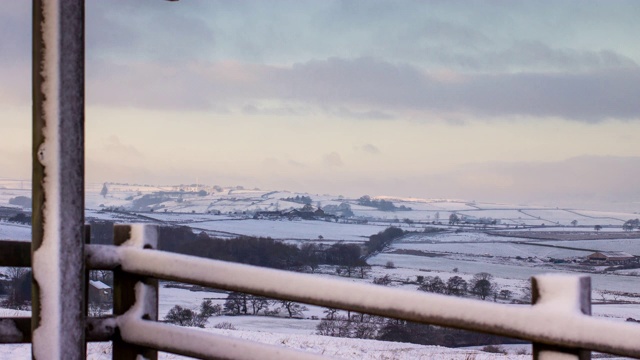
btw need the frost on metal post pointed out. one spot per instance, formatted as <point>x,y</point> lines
<point>190,342</point>
<point>58,179</point>
<point>126,299</point>
<point>561,293</point>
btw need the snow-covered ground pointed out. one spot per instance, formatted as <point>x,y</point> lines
<point>331,347</point>
<point>442,254</point>
<point>294,229</point>
<point>13,231</point>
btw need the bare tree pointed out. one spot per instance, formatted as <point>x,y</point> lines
<point>331,313</point>
<point>19,287</point>
<point>293,308</point>
<point>236,303</point>
<point>482,284</point>
<point>258,303</point>
<point>456,286</point>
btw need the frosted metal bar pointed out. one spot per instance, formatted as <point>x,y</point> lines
<point>195,343</point>
<point>565,293</point>
<point>541,324</point>
<point>124,294</point>
<point>17,330</point>
<point>58,180</point>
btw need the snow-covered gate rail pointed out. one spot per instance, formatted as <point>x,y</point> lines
<point>558,323</point>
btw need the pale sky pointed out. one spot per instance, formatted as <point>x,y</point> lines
<point>510,101</point>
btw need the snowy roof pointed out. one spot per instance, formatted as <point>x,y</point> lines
<point>614,254</point>
<point>99,285</point>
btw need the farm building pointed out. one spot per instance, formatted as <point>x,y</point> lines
<point>612,258</point>
<point>99,291</point>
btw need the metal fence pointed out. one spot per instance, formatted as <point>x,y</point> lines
<point>558,322</point>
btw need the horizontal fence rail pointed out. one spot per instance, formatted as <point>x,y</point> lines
<point>17,330</point>
<point>543,323</point>
<point>550,322</point>
<point>194,343</point>
<point>15,253</point>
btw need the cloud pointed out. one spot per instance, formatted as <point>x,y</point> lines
<point>365,115</point>
<point>370,84</point>
<point>371,149</point>
<point>332,160</point>
<point>175,56</point>
<point>250,109</point>
<point>296,164</point>
<point>586,182</point>
<point>114,147</point>
<point>148,30</point>
<point>578,180</point>
<point>537,55</point>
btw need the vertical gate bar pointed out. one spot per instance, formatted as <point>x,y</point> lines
<point>547,290</point>
<point>57,245</point>
<point>87,275</point>
<point>124,295</point>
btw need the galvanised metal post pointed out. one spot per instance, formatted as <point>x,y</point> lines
<point>57,246</point>
<point>124,293</point>
<point>548,289</point>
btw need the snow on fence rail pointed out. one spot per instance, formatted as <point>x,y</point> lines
<point>559,319</point>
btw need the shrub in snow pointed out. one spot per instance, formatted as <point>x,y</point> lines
<point>433,284</point>
<point>494,349</point>
<point>184,317</point>
<point>339,326</point>
<point>187,317</point>
<point>225,325</point>
<point>384,280</point>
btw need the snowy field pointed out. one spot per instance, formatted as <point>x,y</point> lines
<point>331,347</point>
<point>502,249</point>
<point>522,270</point>
<point>296,229</point>
<point>12,231</point>
<point>445,254</point>
<point>631,246</point>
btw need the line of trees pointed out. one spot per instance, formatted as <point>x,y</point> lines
<point>259,251</point>
<point>379,241</point>
<point>364,326</point>
<point>306,200</point>
<point>383,205</point>
<point>20,218</point>
<point>22,201</point>
<point>245,304</point>
<point>236,304</point>
<point>187,317</point>
<point>481,285</point>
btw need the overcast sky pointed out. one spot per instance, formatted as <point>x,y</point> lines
<point>512,101</point>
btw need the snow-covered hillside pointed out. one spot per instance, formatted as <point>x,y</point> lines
<point>522,242</point>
